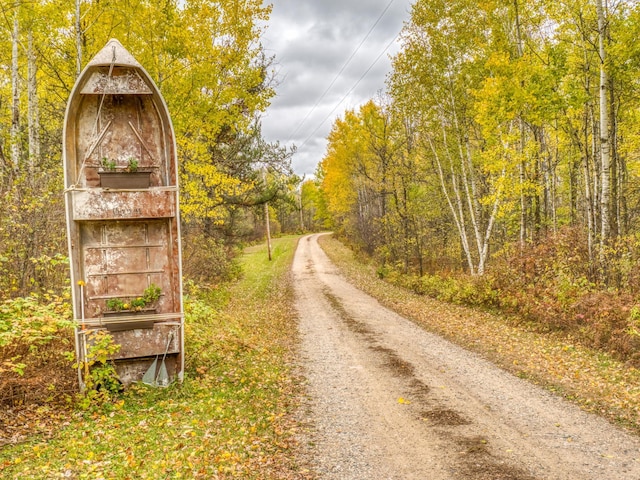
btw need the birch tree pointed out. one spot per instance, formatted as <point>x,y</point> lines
<point>605,163</point>
<point>443,57</point>
<point>15,90</point>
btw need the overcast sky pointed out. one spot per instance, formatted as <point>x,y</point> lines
<point>312,41</point>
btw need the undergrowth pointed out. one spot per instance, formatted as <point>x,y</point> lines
<point>36,344</point>
<point>553,286</point>
<point>230,418</point>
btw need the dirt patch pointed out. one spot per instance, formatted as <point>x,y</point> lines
<point>419,388</point>
<point>444,417</point>
<point>350,322</point>
<point>473,445</point>
<point>394,363</point>
<point>477,462</point>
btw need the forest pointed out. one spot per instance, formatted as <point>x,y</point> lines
<point>500,167</point>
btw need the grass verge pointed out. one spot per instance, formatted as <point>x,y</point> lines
<point>593,379</point>
<point>232,416</point>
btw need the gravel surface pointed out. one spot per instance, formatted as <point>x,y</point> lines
<point>388,400</point>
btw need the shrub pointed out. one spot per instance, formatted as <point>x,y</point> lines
<point>207,260</point>
<point>100,377</point>
<point>36,350</point>
<point>553,284</point>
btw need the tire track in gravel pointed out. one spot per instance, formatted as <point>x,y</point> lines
<point>475,459</point>
<point>390,401</point>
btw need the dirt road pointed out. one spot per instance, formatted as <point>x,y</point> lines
<point>388,400</point>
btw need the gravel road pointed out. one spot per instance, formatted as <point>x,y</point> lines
<point>388,400</point>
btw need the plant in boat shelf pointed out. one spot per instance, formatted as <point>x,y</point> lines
<point>132,165</point>
<point>145,302</point>
<point>128,176</point>
<point>108,165</point>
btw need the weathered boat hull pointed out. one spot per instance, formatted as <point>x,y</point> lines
<point>123,240</point>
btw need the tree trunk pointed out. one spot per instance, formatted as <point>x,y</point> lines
<point>521,165</point>
<point>457,213</point>
<point>33,111</point>
<point>590,205</point>
<point>15,104</point>
<point>78,39</point>
<point>604,134</point>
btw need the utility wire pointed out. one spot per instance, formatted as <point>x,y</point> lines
<point>350,90</point>
<point>335,79</point>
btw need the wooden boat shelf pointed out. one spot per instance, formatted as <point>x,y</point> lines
<point>99,204</point>
<point>123,237</point>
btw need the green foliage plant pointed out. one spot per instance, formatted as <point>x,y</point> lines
<point>36,345</point>
<point>108,165</point>
<point>151,294</point>
<point>132,165</point>
<point>208,261</point>
<point>633,321</point>
<point>100,379</point>
<point>115,304</point>
<point>149,297</point>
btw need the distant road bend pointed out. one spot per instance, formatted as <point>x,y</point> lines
<point>391,401</point>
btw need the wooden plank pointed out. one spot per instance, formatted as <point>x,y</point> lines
<point>145,342</point>
<point>100,204</point>
<point>122,81</point>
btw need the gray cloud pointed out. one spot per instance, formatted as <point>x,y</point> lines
<point>312,40</point>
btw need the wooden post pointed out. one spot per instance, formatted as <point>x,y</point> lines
<point>266,216</point>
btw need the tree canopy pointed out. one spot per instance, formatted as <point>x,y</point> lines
<point>507,122</point>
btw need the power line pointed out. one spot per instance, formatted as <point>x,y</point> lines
<point>341,70</point>
<point>350,90</point>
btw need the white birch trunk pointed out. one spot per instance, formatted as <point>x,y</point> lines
<point>482,261</point>
<point>604,133</point>
<point>458,218</point>
<point>468,178</point>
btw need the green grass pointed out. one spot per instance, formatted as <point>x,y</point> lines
<point>231,418</point>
